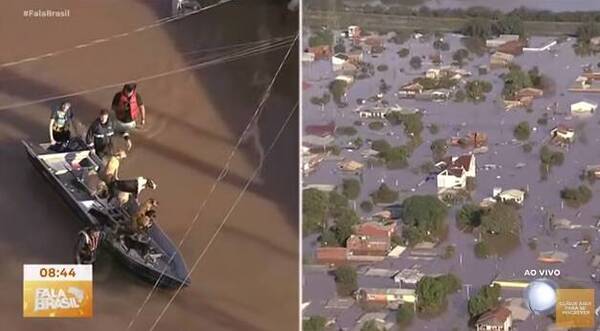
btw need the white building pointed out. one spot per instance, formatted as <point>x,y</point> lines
<point>338,61</point>
<point>512,195</point>
<point>501,40</point>
<point>583,107</point>
<point>455,172</point>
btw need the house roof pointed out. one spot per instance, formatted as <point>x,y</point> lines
<point>463,161</point>
<point>512,194</point>
<point>321,130</point>
<point>367,243</point>
<point>585,103</point>
<point>529,92</point>
<point>495,317</point>
<point>374,229</point>
<point>331,253</point>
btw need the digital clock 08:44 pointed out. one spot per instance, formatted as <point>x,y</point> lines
<point>57,272</point>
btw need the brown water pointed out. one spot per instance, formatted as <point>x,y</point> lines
<point>248,279</point>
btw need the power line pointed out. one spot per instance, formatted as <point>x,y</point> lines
<point>98,41</point>
<point>225,219</point>
<point>221,175</point>
<point>214,61</point>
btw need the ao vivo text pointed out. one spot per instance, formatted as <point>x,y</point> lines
<point>542,272</point>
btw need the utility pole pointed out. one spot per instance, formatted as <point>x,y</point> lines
<point>468,288</point>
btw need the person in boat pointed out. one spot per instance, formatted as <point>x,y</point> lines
<point>128,107</point>
<point>60,124</point>
<point>100,133</point>
<point>87,245</point>
<point>132,186</point>
<point>110,172</point>
<point>144,217</point>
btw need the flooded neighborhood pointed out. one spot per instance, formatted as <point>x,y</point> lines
<point>441,168</point>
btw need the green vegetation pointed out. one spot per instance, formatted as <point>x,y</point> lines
<point>576,197</point>
<point>366,206</point>
<point>376,126</point>
<point>487,298</point>
<point>527,148</point>
<point>439,147</point>
<point>351,188</point>
<point>384,194</point>
<point>449,252</point>
<point>396,157</point>
<point>522,131</point>
<point>468,217</point>
<point>337,88</point>
<point>443,82</point>
<point>482,250</point>
<point>478,27</point>
<point>405,314</point>
<point>357,142</point>
<point>314,210</point>
<point>323,37</point>
<point>501,219</point>
<point>515,80</point>
<point>346,280</point>
<point>510,24</point>
<point>415,62</point>
<point>321,101</point>
<point>314,323</point>
<point>549,158</point>
<point>413,124</point>
<point>433,292</point>
<point>346,131</point>
<point>460,55</point>
<point>477,89</point>
<point>403,52</point>
<point>382,67</point>
<point>585,32</point>
<point>424,218</point>
<point>380,145</point>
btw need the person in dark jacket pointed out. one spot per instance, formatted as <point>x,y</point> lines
<point>100,134</point>
<point>60,124</point>
<point>128,107</point>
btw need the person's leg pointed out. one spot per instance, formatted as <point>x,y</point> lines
<point>129,186</point>
<point>124,129</point>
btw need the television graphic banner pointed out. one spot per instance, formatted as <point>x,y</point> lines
<point>57,290</point>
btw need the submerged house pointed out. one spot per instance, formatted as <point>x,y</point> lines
<point>498,319</point>
<point>391,297</point>
<point>410,90</point>
<point>583,107</point>
<point>563,133</point>
<point>368,245</point>
<point>455,172</point>
<point>501,40</point>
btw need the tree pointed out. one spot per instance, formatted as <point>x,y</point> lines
<point>482,250</point>
<point>515,80</point>
<point>396,157</point>
<point>433,291</point>
<point>403,52</point>
<point>366,206</point>
<point>576,197</point>
<point>314,210</point>
<point>314,323</point>
<point>423,216</point>
<point>469,216</point>
<point>351,188</point>
<point>405,314</point>
<point>380,145</point>
<point>439,148</point>
<point>501,218</point>
<point>346,280</point>
<point>476,89</point>
<point>587,31</point>
<point>346,131</point>
<point>510,24</point>
<point>329,239</point>
<point>338,90</point>
<point>415,62</point>
<point>322,37</point>
<point>487,298</point>
<point>337,204</point>
<point>376,126</point>
<point>480,28</point>
<point>522,131</point>
<point>384,194</point>
<point>460,55</point>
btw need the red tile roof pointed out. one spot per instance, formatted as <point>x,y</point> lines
<point>321,130</point>
<point>331,254</point>
<point>494,317</point>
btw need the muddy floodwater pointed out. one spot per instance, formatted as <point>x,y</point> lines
<point>562,66</point>
<point>248,279</point>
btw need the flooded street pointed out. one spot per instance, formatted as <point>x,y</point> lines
<point>562,66</point>
<point>248,278</point>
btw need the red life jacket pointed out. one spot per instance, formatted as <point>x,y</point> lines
<point>133,105</point>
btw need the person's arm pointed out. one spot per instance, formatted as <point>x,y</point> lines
<point>89,137</point>
<point>52,141</point>
<point>140,102</point>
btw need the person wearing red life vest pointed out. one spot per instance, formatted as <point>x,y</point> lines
<point>128,107</point>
